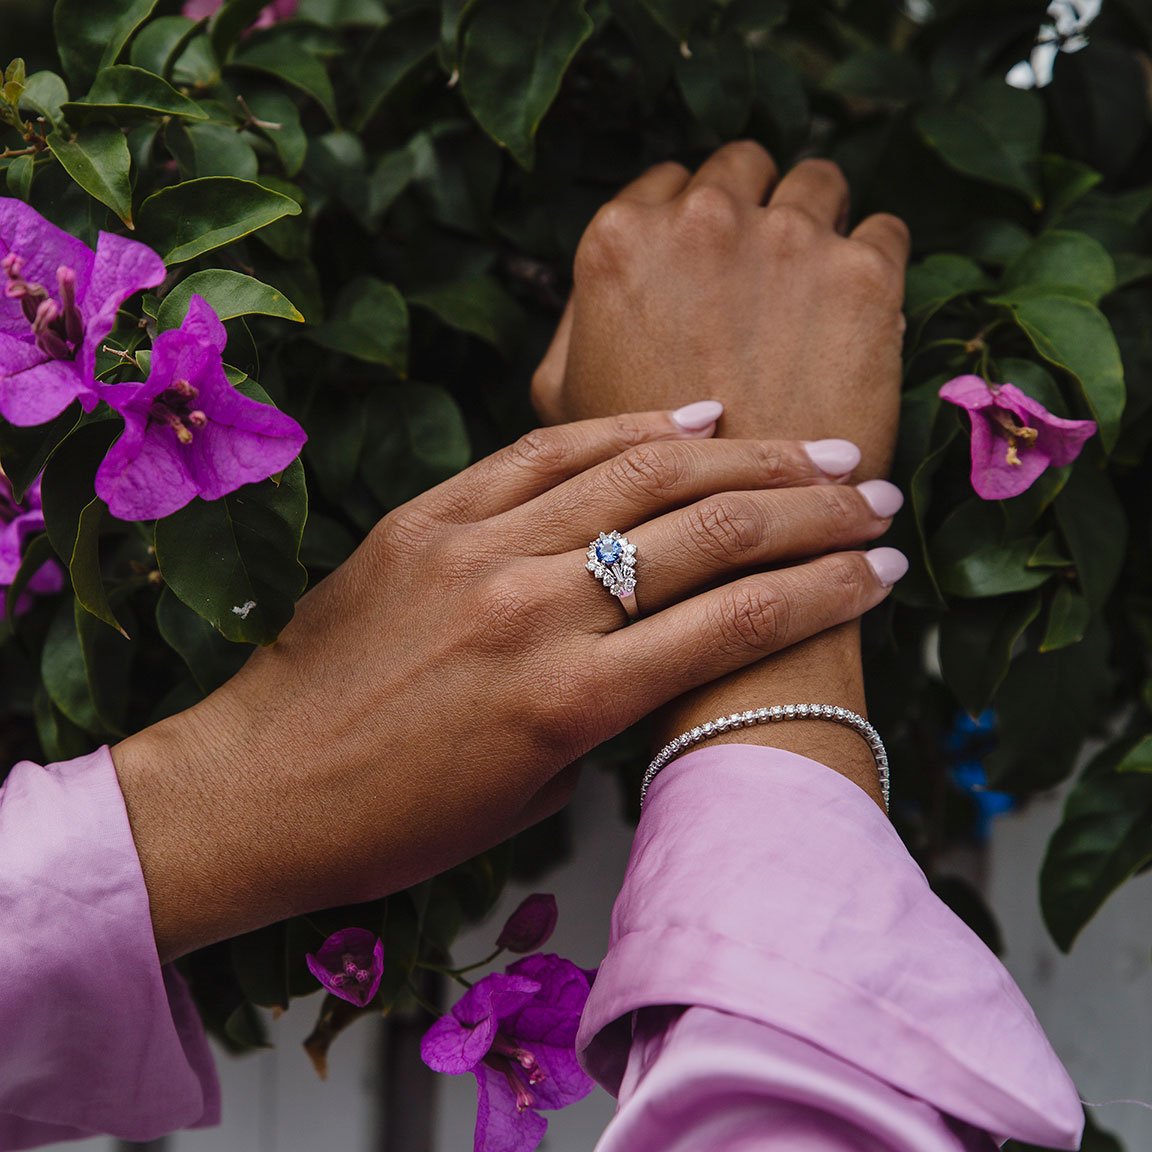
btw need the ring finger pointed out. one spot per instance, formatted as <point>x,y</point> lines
<point>718,539</point>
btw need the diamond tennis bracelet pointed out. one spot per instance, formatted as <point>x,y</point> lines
<point>770,716</point>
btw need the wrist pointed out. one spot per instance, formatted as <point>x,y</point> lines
<point>823,670</point>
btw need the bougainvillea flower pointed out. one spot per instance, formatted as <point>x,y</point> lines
<point>350,964</point>
<point>17,523</point>
<point>1014,438</point>
<point>516,1033</point>
<point>276,11</point>
<point>59,302</point>
<point>187,431</point>
<point>531,925</point>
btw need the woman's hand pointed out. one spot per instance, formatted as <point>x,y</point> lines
<point>425,697</point>
<point>729,284</point>
<point>715,284</point>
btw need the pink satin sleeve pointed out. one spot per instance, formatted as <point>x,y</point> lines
<point>97,1036</point>
<point>781,976</point>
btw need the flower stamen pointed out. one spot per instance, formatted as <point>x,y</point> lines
<point>1017,435</point>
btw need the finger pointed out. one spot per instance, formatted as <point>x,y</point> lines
<point>725,536</point>
<point>548,379</point>
<point>658,185</point>
<point>818,189</point>
<point>888,235</point>
<point>653,478</point>
<point>545,457</point>
<point>728,628</point>
<point>742,168</point>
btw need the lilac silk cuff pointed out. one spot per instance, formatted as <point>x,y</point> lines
<point>767,888</point>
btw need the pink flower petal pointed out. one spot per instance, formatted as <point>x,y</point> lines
<point>34,390</point>
<point>500,1126</point>
<point>451,1047</point>
<point>970,392</point>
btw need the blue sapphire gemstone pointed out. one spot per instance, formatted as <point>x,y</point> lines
<point>609,551</point>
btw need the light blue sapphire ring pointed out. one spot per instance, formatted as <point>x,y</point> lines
<point>612,560</point>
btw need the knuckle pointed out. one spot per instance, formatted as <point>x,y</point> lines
<point>725,528</point>
<point>541,451</point>
<point>838,507</point>
<point>867,270</point>
<point>753,616</point>
<point>650,470</point>
<point>607,242</point>
<point>790,228</point>
<point>708,213</point>
<point>847,578</point>
<point>405,531</point>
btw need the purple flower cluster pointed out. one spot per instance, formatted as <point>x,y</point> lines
<point>515,1031</point>
<point>187,431</point>
<point>18,521</point>
<point>349,964</point>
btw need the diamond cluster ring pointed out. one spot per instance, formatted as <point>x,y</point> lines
<point>612,560</point>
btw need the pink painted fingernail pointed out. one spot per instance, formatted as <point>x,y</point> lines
<point>883,498</point>
<point>889,564</point>
<point>833,457</point>
<point>696,417</point>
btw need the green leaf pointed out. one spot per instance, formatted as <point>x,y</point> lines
<point>993,570</point>
<point>1046,707</point>
<point>260,961</point>
<point>280,53</point>
<point>211,150</point>
<point>370,322</point>
<point>25,451</point>
<point>279,122</point>
<point>479,307</point>
<point>416,438</point>
<point>1105,837</point>
<point>231,20</point>
<point>1068,619</point>
<point>513,58</point>
<point>19,177</point>
<point>880,75</point>
<point>45,93</point>
<point>992,133</point>
<point>939,279</point>
<point>98,160</point>
<point>90,34</point>
<point>717,85</point>
<point>161,42</point>
<point>1074,335</point>
<point>85,668</point>
<point>405,44</point>
<point>210,658</point>
<point>235,561</point>
<point>230,294</point>
<point>125,88</point>
<point>198,216</point>
<point>1063,263</point>
<point>977,643</point>
<point>1095,527</point>
<point>73,514</point>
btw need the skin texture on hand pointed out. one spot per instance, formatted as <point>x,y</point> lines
<point>732,284</point>
<point>426,698</point>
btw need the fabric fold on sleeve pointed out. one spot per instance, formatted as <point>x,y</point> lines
<point>764,885</point>
<point>98,1037</point>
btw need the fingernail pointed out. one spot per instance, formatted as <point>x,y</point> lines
<point>883,498</point>
<point>889,564</point>
<point>696,417</point>
<point>833,457</point>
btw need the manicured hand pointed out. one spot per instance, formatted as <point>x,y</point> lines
<point>726,283</point>
<point>423,702</point>
<point>733,283</point>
